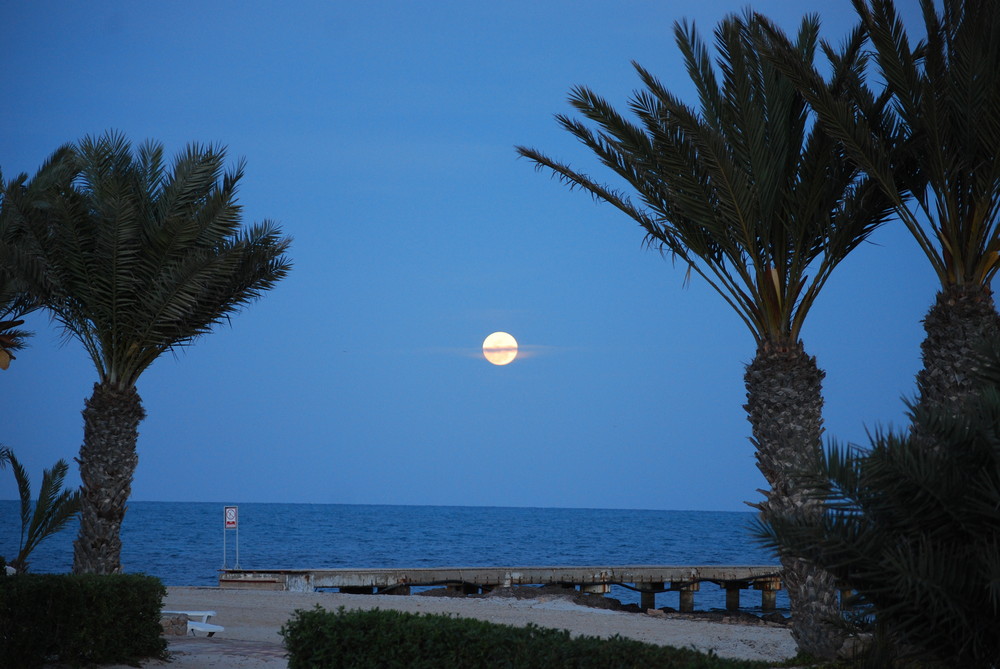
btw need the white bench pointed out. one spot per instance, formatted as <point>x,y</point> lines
<point>208,628</point>
<point>198,621</point>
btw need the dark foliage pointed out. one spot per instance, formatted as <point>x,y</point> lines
<point>79,620</point>
<point>23,203</point>
<point>916,531</point>
<point>387,639</point>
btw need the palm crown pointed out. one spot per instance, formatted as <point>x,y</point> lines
<point>144,259</point>
<point>939,139</point>
<point>749,192</point>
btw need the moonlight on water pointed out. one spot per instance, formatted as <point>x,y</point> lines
<point>500,348</point>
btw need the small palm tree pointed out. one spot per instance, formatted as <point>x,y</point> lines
<point>939,142</point>
<point>137,260</point>
<point>53,509</point>
<point>760,202</point>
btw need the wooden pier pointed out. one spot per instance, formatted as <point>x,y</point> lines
<point>647,580</point>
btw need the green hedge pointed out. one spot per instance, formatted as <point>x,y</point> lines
<point>322,639</point>
<point>79,619</point>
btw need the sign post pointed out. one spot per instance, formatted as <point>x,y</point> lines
<point>231,516</point>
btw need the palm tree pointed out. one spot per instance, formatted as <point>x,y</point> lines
<point>139,260</point>
<point>763,205</point>
<point>54,508</point>
<point>938,142</point>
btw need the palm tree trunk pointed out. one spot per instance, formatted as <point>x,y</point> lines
<point>958,323</point>
<point>784,406</point>
<point>108,459</point>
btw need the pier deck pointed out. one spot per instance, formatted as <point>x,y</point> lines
<point>648,580</point>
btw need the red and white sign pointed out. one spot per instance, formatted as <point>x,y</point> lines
<point>232,516</point>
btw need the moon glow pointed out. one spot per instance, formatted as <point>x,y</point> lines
<point>500,348</point>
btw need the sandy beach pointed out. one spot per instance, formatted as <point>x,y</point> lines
<point>252,621</point>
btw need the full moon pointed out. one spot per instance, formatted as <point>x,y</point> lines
<point>500,348</point>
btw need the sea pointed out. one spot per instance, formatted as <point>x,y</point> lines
<point>186,543</point>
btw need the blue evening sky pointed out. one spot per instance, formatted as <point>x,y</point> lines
<point>380,135</point>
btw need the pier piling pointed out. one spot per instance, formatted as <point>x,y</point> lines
<point>733,589</point>
<point>687,591</point>
<point>768,592</point>
<point>647,596</point>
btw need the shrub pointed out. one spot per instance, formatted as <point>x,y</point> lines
<point>388,639</point>
<point>80,619</point>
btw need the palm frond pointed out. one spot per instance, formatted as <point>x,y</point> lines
<point>54,508</point>
<point>23,487</point>
<point>22,278</point>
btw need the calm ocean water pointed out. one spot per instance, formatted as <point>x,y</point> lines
<point>181,543</point>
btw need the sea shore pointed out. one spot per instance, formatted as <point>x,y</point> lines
<point>252,621</point>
